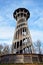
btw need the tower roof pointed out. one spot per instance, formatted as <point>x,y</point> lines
<point>21,11</point>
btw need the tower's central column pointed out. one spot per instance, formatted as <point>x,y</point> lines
<point>22,40</point>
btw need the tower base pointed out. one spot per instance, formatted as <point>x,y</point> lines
<point>21,58</point>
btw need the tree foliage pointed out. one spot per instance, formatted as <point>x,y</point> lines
<point>1,48</point>
<point>37,47</point>
<point>6,50</point>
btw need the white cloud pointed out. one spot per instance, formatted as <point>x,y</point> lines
<point>1,18</point>
<point>37,23</point>
<point>36,35</point>
<point>6,34</point>
<point>28,3</point>
<point>36,18</point>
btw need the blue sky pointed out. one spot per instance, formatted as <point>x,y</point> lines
<point>8,23</point>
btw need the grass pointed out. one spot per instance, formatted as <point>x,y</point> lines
<point>23,64</point>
